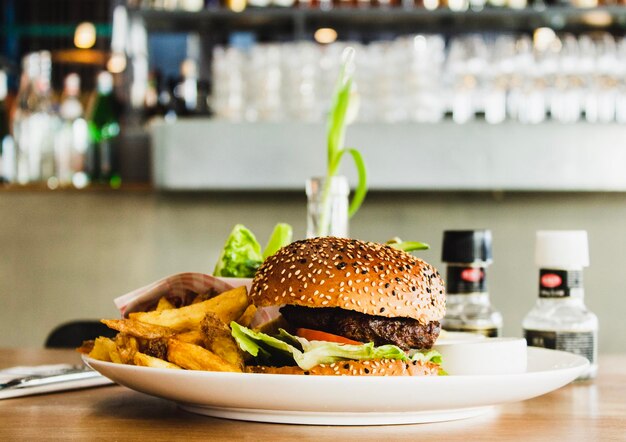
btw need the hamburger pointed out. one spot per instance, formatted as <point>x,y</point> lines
<point>349,307</point>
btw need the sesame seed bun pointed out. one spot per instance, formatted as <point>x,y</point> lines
<point>374,367</point>
<point>365,277</point>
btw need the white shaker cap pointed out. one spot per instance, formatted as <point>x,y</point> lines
<point>562,249</point>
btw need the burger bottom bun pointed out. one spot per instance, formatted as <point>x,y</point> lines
<point>374,367</point>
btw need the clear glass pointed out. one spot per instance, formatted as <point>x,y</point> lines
<point>565,315</point>
<point>327,208</point>
<point>472,313</point>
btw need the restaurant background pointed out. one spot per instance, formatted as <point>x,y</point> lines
<point>67,252</point>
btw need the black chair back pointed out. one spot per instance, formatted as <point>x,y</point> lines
<point>72,334</point>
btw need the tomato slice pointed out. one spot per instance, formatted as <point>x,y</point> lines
<point>316,335</point>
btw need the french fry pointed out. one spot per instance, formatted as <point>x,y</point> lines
<point>246,318</point>
<point>194,357</point>
<point>139,329</point>
<point>164,304</point>
<point>127,346</point>
<point>104,349</point>
<point>228,306</point>
<point>145,360</point>
<point>191,337</point>
<point>155,347</point>
<point>87,347</point>
<point>218,339</point>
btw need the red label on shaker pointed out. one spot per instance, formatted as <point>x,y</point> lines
<point>472,274</point>
<point>555,283</point>
<point>551,280</point>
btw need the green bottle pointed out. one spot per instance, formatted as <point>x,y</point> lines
<point>103,130</point>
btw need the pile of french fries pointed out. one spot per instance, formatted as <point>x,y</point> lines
<point>192,337</point>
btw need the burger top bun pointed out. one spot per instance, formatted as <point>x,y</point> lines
<point>366,277</point>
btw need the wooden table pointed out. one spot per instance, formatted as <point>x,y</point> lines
<point>585,411</point>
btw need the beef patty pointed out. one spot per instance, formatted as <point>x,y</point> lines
<point>406,333</point>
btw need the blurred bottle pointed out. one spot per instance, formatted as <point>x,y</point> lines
<point>24,104</point>
<point>35,121</point>
<point>240,5</point>
<point>560,320</point>
<point>72,138</point>
<point>7,154</point>
<point>468,254</point>
<point>152,103</point>
<point>46,122</point>
<point>103,128</point>
<point>4,115</point>
<point>191,5</point>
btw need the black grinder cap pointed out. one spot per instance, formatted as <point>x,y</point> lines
<point>466,246</point>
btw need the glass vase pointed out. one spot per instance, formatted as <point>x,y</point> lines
<point>327,206</point>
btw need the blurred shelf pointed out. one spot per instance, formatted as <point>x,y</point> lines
<point>202,154</point>
<point>392,19</point>
<point>99,188</point>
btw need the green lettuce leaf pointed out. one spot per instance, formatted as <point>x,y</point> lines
<point>280,237</point>
<point>241,256</point>
<point>286,349</point>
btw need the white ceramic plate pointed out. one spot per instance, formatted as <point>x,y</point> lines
<point>330,400</point>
